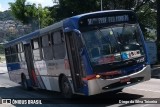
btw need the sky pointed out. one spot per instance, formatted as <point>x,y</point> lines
<point>5,6</point>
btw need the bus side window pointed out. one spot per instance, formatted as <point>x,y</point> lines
<point>8,53</point>
<point>20,52</point>
<point>20,47</point>
<point>47,48</point>
<point>14,49</point>
<point>14,54</point>
<point>36,49</point>
<point>58,45</point>
<point>8,59</point>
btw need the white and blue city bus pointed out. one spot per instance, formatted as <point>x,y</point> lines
<point>86,54</point>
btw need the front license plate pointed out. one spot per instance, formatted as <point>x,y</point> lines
<point>125,80</point>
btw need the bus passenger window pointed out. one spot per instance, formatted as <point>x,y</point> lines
<point>14,49</point>
<point>22,57</point>
<point>57,38</point>
<point>20,51</point>
<point>15,58</point>
<point>20,47</point>
<point>8,59</point>
<point>36,50</point>
<point>46,48</point>
<point>8,51</point>
<point>58,45</point>
<point>35,43</point>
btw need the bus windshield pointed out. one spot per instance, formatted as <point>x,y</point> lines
<point>114,43</point>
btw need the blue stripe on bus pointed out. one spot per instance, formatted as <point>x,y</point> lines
<point>14,66</point>
<point>85,88</point>
<point>128,70</point>
<point>144,46</point>
<point>86,62</point>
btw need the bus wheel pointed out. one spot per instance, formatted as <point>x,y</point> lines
<point>66,88</point>
<point>24,83</point>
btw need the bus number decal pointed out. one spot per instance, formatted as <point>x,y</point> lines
<point>111,19</point>
<point>107,59</point>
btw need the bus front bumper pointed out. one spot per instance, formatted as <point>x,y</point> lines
<point>97,86</point>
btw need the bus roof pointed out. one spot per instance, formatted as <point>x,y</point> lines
<point>71,22</point>
<point>100,12</point>
<point>22,38</point>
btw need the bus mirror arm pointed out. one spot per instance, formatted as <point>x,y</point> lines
<point>77,31</point>
<point>70,30</point>
<point>81,51</point>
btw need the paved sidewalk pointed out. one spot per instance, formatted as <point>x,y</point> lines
<point>155,71</point>
<point>3,68</point>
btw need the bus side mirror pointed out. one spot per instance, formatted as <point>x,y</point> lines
<point>79,41</point>
<point>82,51</point>
<point>77,31</point>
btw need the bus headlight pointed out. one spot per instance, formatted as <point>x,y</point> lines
<point>98,76</point>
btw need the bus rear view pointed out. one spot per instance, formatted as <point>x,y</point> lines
<point>115,51</point>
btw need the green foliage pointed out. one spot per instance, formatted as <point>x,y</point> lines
<point>19,10</point>
<point>143,8</point>
<point>1,49</point>
<point>44,16</point>
<point>10,37</point>
<point>147,18</point>
<point>6,15</point>
<point>68,8</point>
<point>29,14</point>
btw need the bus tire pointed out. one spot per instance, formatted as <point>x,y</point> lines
<point>24,83</point>
<point>66,89</point>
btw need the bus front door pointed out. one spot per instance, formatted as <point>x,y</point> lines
<point>74,60</point>
<point>30,65</point>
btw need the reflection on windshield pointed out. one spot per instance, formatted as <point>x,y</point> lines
<point>115,43</point>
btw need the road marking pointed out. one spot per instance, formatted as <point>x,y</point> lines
<point>2,73</point>
<point>155,68</point>
<point>146,90</point>
<point>145,105</point>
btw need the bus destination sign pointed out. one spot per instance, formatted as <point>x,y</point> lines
<point>111,19</point>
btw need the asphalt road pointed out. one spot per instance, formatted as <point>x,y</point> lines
<point>148,89</point>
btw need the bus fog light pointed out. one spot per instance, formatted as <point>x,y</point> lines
<point>128,82</point>
<point>106,87</point>
<point>98,76</point>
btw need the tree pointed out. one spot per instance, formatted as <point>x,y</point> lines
<point>19,10</point>
<point>143,8</point>
<point>27,13</point>
<point>44,16</point>
<point>147,18</point>
<point>68,8</point>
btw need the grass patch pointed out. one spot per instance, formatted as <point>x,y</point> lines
<point>2,57</point>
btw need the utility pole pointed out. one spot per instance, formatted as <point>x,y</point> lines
<point>158,28</point>
<point>101,5</point>
<point>158,20</point>
<point>39,20</point>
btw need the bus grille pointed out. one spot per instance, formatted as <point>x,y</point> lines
<point>123,73</point>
